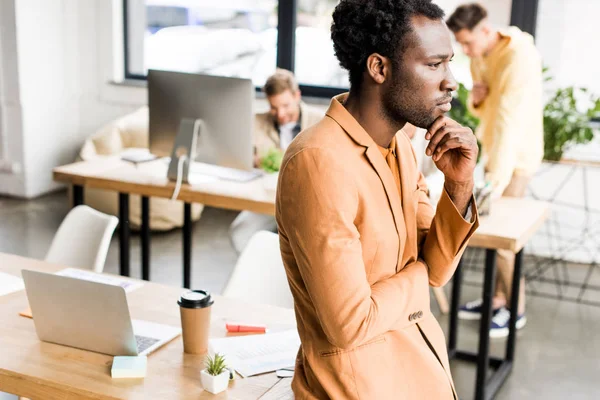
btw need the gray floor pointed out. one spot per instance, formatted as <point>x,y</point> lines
<point>558,353</point>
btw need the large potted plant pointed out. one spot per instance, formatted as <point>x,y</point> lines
<point>567,117</point>
<point>567,120</point>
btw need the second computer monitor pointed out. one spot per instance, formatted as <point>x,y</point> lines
<point>225,106</point>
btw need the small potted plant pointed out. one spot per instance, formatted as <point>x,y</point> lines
<point>271,162</point>
<point>215,377</point>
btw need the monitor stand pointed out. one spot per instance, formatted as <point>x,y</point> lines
<point>185,145</point>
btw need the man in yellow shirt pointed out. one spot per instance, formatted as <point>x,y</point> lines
<point>507,97</point>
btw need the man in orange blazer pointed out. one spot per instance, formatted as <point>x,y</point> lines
<point>359,239</point>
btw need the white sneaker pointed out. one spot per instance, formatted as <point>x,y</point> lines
<point>471,311</point>
<point>499,326</point>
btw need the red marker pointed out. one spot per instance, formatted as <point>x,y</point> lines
<point>246,328</point>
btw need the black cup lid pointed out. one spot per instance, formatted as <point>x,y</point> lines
<point>195,299</point>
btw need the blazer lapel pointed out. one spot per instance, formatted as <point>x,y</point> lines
<point>409,185</point>
<point>391,190</point>
<point>339,114</point>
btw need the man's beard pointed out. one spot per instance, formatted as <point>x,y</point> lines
<point>399,105</point>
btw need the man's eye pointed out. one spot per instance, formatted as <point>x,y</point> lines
<point>435,65</point>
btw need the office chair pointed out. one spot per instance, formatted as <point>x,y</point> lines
<point>82,240</point>
<point>259,275</point>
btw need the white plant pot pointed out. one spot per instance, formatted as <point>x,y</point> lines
<point>214,384</point>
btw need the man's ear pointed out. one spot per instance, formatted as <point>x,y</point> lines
<point>378,67</point>
<point>298,95</point>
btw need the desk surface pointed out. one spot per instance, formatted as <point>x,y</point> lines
<point>512,223</point>
<point>150,179</point>
<point>34,369</point>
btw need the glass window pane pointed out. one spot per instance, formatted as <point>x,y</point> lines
<point>315,61</point>
<point>226,37</point>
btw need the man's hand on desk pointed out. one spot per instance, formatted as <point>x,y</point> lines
<point>454,150</point>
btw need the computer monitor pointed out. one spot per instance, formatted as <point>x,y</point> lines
<point>225,106</point>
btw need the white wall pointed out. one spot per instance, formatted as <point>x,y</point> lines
<point>64,61</point>
<point>11,145</point>
<point>567,36</point>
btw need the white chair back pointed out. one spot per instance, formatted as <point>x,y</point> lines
<point>82,240</point>
<point>259,275</point>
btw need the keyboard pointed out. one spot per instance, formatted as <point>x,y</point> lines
<point>144,342</point>
<point>229,174</point>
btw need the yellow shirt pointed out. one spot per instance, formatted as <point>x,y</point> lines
<point>390,157</point>
<point>511,117</point>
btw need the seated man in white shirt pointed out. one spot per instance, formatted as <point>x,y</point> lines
<point>274,129</point>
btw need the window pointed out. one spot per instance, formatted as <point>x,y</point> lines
<point>315,61</point>
<point>249,38</point>
<point>227,38</point>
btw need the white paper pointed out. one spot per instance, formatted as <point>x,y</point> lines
<point>257,354</point>
<point>129,286</point>
<point>10,283</point>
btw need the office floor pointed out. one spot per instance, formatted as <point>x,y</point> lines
<point>557,353</point>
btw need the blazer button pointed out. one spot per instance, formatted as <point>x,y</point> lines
<point>419,314</point>
<point>411,317</point>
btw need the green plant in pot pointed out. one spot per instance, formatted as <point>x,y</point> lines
<point>565,123</point>
<point>271,162</point>
<point>215,377</point>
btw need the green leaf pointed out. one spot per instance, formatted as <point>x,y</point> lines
<point>564,124</point>
<point>215,365</point>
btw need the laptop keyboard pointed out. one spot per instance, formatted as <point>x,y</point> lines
<point>144,342</point>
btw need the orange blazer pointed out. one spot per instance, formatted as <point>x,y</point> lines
<point>359,258</point>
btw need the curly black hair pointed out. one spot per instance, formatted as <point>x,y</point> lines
<point>363,27</point>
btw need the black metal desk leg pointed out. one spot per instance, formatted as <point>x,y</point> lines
<point>124,233</point>
<point>483,355</point>
<point>514,307</point>
<point>77,195</point>
<point>454,305</point>
<point>187,245</point>
<point>145,238</point>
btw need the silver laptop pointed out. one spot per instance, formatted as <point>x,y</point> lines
<point>90,315</point>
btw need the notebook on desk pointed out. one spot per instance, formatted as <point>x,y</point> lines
<point>91,316</point>
<point>257,354</point>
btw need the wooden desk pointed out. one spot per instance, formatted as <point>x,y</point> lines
<point>150,180</point>
<point>38,370</point>
<point>510,225</point>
